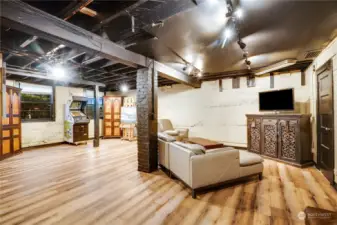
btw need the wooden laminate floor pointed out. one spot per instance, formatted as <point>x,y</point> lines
<point>82,185</point>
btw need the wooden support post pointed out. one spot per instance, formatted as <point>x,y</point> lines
<point>147,80</point>
<point>96,117</point>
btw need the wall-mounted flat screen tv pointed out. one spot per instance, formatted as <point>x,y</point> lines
<point>280,100</point>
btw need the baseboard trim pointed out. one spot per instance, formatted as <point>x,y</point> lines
<point>43,146</point>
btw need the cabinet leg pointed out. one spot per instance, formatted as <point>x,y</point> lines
<point>260,176</point>
<point>194,194</point>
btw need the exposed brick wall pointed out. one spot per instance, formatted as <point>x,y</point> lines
<point>147,120</point>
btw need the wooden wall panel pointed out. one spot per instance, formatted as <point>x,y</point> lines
<point>6,146</point>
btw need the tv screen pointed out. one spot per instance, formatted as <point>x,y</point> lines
<point>277,100</point>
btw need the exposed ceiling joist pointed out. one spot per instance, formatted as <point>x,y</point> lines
<point>116,15</point>
<point>22,16</point>
<point>73,8</point>
<point>92,60</point>
<point>32,74</point>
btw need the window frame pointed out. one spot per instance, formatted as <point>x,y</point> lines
<point>52,108</point>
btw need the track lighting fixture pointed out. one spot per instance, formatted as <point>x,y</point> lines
<point>245,54</point>
<point>241,44</point>
<point>248,62</point>
<point>159,23</point>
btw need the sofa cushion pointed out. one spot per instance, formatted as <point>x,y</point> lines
<point>172,132</point>
<point>166,137</point>
<point>248,158</point>
<point>196,149</point>
<point>214,150</point>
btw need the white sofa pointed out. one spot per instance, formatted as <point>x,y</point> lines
<point>212,168</point>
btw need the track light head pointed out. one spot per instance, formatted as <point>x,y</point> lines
<point>229,14</point>
<point>159,23</point>
<point>241,44</point>
<point>245,55</point>
<point>248,62</point>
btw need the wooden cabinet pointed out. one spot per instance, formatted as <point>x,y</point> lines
<point>81,132</point>
<point>11,123</point>
<point>284,137</point>
<point>112,117</point>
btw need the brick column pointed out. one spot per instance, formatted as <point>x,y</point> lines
<point>147,80</point>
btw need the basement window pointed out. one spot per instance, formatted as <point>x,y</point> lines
<point>90,108</point>
<point>37,103</point>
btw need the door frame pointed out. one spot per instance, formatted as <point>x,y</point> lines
<point>327,65</point>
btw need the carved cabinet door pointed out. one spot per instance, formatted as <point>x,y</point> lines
<point>269,137</point>
<point>288,130</point>
<point>254,135</point>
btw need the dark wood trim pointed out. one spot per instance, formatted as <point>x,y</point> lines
<point>220,85</point>
<point>318,71</point>
<point>236,147</point>
<point>299,66</point>
<point>304,165</point>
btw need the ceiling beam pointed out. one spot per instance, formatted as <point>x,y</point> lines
<point>44,76</point>
<point>22,16</point>
<point>116,15</point>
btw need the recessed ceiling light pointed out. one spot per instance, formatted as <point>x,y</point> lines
<point>58,71</point>
<point>239,13</point>
<point>228,33</point>
<point>124,88</point>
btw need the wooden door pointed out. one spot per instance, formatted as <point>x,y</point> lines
<point>16,119</point>
<point>107,117</point>
<point>112,116</point>
<point>269,137</point>
<point>288,134</point>
<point>116,117</point>
<point>6,129</point>
<point>325,122</point>
<point>254,135</point>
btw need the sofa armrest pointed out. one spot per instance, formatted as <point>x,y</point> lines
<point>163,153</point>
<point>183,132</point>
<point>179,161</point>
<point>214,168</point>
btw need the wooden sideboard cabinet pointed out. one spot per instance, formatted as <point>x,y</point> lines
<point>284,137</point>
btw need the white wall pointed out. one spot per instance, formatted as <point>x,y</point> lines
<point>39,133</point>
<point>219,115</point>
<point>328,53</point>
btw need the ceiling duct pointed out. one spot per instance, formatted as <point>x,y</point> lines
<point>312,54</point>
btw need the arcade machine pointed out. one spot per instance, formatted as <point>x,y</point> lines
<point>76,122</point>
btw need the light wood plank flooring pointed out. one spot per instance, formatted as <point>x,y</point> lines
<point>82,185</point>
